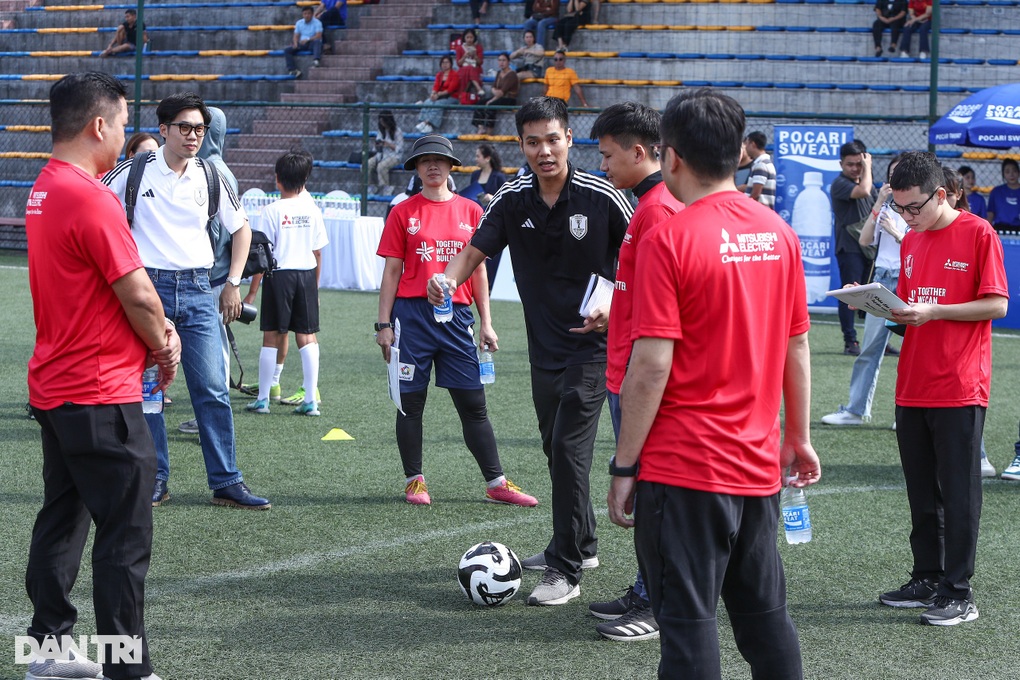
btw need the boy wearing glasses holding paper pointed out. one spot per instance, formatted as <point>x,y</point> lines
<point>169,227</point>
<point>953,278</point>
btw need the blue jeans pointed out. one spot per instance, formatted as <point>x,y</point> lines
<point>188,301</point>
<point>433,112</point>
<point>908,32</point>
<point>864,376</point>
<point>614,413</point>
<point>541,28</point>
<point>313,46</point>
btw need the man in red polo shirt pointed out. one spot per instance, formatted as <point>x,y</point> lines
<point>700,437</point>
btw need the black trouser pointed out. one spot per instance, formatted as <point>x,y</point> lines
<point>99,464</point>
<point>940,450</point>
<point>474,421</point>
<point>895,28</point>
<point>853,267</point>
<point>695,546</point>
<point>568,403</point>
<point>487,117</point>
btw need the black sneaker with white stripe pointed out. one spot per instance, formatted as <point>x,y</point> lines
<point>947,611</point>
<point>609,611</point>
<point>636,624</point>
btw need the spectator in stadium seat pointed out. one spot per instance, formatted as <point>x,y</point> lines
<point>561,82</point>
<point>332,12</point>
<point>469,56</point>
<point>975,201</point>
<point>544,16</point>
<point>488,178</point>
<point>889,14</point>
<point>504,93</point>
<point>918,21</point>
<point>444,93</point>
<point>1004,201</point>
<point>307,37</point>
<point>529,61</point>
<point>124,40</point>
<point>479,8</point>
<point>578,13</point>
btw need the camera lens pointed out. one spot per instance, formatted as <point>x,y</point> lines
<point>248,313</point>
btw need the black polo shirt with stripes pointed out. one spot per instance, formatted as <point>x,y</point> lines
<point>554,253</point>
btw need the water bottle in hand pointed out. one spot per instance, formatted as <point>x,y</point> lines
<point>486,368</point>
<point>151,403</point>
<point>796,518</point>
<point>444,312</point>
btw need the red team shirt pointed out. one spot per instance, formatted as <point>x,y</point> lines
<point>86,248</point>
<point>426,235</point>
<point>724,279</point>
<point>655,207</point>
<point>949,363</point>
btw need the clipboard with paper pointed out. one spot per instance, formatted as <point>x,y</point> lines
<point>873,298</point>
<point>393,367</point>
<point>599,293</point>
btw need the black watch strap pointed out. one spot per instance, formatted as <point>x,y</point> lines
<point>617,471</point>
<point>381,326</point>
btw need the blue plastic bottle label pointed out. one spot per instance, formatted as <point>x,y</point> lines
<point>797,518</point>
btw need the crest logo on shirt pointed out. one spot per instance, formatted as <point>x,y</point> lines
<point>908,265</point>
<point>413,225</point>
<point>579,226</point>
<point>406,372</point>
<point>465,227</point>
<point>727,246</point>
<point>425,251</point>
<point>956,265</point>
<point>201,194</point>
<point>285,222</point>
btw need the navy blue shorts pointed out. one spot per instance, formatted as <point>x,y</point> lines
<point>424,341</point>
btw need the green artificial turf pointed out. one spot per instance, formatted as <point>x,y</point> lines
<point>343,579</point>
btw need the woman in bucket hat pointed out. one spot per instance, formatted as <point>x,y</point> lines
<point>421,236</point>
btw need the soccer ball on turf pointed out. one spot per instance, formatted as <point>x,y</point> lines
<point>489,574</point>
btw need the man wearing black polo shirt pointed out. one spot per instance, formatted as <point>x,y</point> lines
<point>562,225</point>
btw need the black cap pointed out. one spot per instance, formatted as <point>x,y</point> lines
<point>435,145</point>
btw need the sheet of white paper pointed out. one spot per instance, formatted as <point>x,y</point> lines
<point>873,298</point>
<point>599,293</point>
<point>393,367</point>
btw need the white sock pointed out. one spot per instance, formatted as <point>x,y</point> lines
<point>498,481</point>
<point>277,373</point>
<point>267,361</point>
<point>310,370</point>
<point>408,480</point>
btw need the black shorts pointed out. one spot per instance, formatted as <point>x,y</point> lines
<point>290,302</point>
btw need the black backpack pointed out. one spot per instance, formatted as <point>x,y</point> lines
<point>260,254</point>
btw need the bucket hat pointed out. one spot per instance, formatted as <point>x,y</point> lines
<point>435,145</point>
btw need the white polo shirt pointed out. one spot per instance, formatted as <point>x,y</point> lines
<point>171,213</point>
<point>295,227</point>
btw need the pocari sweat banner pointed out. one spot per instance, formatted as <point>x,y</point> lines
<point>807,161</point>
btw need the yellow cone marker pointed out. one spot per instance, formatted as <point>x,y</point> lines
<point>337,435</point>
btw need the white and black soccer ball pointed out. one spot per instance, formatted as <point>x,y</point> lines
<point>489,574</point>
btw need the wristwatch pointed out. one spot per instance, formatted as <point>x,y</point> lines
<point>381,326</point>
<point>234,281</point>
<point>616,471</point>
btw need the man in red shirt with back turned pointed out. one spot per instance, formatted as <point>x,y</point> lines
<point>700,437</point>
<point>85,381</point>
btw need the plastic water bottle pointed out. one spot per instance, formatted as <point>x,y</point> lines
<point>151,403</point>
<point>812,220</point>
<point>486,369</point>
<point>444,312</point>
<point>796,518</point>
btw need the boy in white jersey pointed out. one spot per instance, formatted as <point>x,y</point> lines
<point>290,300</point>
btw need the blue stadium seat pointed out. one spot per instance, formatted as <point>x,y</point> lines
<point>750,57</point>
<point>820,86</point>
<point>790,86</point>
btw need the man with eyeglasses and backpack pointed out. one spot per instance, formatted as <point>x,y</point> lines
<point>169,224</point>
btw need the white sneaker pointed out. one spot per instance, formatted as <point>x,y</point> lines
<point>537,562</point>
<point>842,417</point>
<point>553,589</point>
<point>75,667</point>
<point>1013,470</point>
<point>987,469</point>
<point>922,55</point>
<point>904,55</point>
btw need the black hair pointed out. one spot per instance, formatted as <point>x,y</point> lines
<point>132,144</point>
<point>489,151</point>
<point>387,124</point>
<point>472,32</point>
<point>504,54</point>
<point>78,98</point>
<point>629,123</point>
<point>964,169</point>
<point>954,186</point>
<point>1006,162</point>
<point>293,169</point>
<point>308,8</point>
<point>889,168</point>
<point>532,34</point>
<point>541,108</point>
<point>758,139</point>
<point>919,169</point>
<point>171,106</point>
<point>445,57</point>
<point>131,11</point>
<point>854,148</point>
<point>705,128</point>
